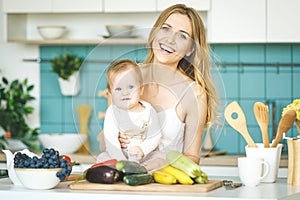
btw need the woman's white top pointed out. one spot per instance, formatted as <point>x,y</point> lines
<point>172,128</point>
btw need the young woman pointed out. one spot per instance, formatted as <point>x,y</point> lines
<point>177,82</point>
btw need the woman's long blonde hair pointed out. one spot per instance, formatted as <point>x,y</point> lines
<point>197,65</point>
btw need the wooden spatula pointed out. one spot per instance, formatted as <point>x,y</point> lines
<point>285,123</point>
<point>84,114</point>
<point>262,117</point>
<point>238,122</point>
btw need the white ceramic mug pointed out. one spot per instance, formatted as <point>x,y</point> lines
<point>270,155</point>
<point>252,170</point>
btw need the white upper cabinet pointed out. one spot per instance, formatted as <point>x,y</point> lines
<point>283,21</point>
<point>129,5</point>
<point>227,21</point>
<point>200,5</point>
<point>27,6</point>
<point>237,21</point>
<point>77,6</point>
<point>49,6</point>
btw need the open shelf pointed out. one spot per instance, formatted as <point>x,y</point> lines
<point>110,41</point>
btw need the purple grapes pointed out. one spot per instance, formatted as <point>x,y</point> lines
<point>49,159</point>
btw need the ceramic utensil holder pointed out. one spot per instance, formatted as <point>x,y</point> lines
<point>270,155</point>
<point>293,162</point>
<point>297,122</point>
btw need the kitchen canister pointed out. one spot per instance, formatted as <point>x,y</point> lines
<point>293,162</point>
<point>270,155</point>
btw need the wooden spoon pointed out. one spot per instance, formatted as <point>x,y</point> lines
<point>239,122</point>
<point>285,123</point>
<point>262,117</point>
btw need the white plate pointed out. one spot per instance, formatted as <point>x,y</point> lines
<point>119,36</point>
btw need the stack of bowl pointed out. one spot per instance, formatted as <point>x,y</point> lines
<point>51,32</point>
<point>65,143</point>
<point>120,30</point>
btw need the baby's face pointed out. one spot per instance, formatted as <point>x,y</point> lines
<point>126,90</point>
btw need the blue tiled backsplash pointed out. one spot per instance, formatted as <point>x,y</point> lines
<point>246,84</point>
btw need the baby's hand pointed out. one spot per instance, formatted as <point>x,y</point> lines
<point>123,140</point>
<point>135,153</point>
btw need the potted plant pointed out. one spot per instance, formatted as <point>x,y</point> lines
<point>67,67</point>
<point>14,98</point>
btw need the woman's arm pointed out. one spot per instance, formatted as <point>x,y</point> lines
<point>111,132</point>
<point>194,122</point>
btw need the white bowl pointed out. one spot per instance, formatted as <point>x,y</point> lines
<point>66,143</point>
<point>119,30</point>
<point>38,178</point>
<point>51,32</point>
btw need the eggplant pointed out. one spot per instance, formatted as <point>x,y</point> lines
<point>102,174</point>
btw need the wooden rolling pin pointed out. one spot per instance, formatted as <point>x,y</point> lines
<point>101,115</point>
<point>103,93</point>
<point>84,114</point>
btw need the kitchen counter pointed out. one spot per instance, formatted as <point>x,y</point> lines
<point>218,160</point>
<point>278,190</point>
<point>220,165</point>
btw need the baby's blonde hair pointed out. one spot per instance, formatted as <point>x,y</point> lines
<point>120,66</point>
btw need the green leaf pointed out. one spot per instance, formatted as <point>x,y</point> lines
<point>25,82</point>
<point>29,110</point>
<point>14,84</point>
<point>14,98</point>
<point>3,143</point>
<point>65,65</point>
<point>30,88</point>
<point>5,81</point>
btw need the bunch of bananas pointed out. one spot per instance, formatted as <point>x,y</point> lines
<point>181,169</point>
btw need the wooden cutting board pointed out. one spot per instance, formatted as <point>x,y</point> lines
<point>153,187</point>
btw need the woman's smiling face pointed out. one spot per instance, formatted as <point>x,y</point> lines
<point>173,41</point>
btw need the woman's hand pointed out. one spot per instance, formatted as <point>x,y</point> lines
<point>123,140</point>
<point>155,164</point>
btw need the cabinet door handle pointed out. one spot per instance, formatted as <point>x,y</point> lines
<point>101,115</point>
<point>103,93</point>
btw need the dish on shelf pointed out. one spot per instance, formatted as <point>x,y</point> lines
<point>120,30</point>
<point>119,36</point>
<point>51,32</point>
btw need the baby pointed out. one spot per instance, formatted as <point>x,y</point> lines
<point>128,114</point>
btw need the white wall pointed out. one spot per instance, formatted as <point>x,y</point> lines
<point>12,67</point>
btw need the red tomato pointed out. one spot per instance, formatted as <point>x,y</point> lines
<point>107,162</point>
<point>67,158</point>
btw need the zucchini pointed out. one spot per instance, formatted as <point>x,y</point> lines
<point>137,179</point>
<point>130,167</point>
<point>184,163</point>
<point>201,179</point>
<point>180,176</point>
<point>164,178</point>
